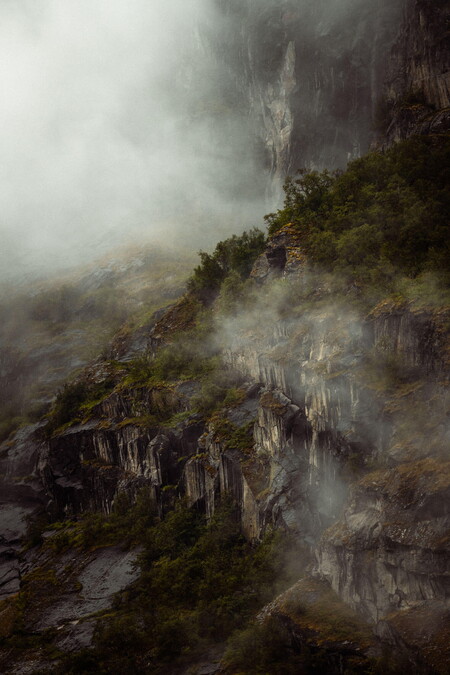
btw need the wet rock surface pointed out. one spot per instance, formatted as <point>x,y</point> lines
<point>13,528</point>
<point>390,551</point>
<point>309,76</point>
<point>316,618</point>
<point>100,576</point>
<point>70,588</point>
<point>321,440</point>
<point>418,84</point>
<point>22,496</point>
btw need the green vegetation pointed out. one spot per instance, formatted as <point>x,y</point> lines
<point>9,423</point>
<point>148,383</point>
<point>233,258</point>
<point>264,648</point>
<point>192,354</point>
<point>218,389</point>
<point>200,581</point>
<point>242,438</point>
<point>380,223</point>
<point>74,400</point>
<point>386,213</point>
<point>47,327</point>
<point>127,524</point>
<point>188,357</point>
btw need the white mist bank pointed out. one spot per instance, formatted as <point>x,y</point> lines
<point>111,129</point>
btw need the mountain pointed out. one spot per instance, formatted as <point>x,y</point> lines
<point>255,478</point>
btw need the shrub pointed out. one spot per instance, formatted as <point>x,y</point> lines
<point>263,648</point>
<point>234,255</point>
<point>216,390</point>
<point>385,209</point>
<point>73,400</point>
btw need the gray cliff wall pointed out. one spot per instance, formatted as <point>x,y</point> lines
<point>417,91</point>
<point>390,550</point>
<point>308,75</point>
<point>334,409</point>
<point>318,83</point>
<point>340,436</point>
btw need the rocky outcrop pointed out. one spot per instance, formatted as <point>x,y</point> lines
<point>61,593</point>
<point>337,432</point>
<point>283,256</point>
<point>86,467</point>
<point>321,625</point>
<point>390,551</point>
<point>418,337</point>
<point>343,394</point>
<point>22,497</point>
<point>320,84</point>
<point>226,465</point>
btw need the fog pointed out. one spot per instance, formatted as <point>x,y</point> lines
<point>113,127</point>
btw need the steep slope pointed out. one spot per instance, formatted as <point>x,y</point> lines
<point>304,379</point>
<point>330,423</point>
<point>50,329</point>
<point>308,383</point>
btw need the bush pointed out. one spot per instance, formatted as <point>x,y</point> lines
<point>263,648</point>
<point>216,390</point>
<point>74,400</point>
<point>234,255</point>
<point>385,209</point>
<point>199,582</point>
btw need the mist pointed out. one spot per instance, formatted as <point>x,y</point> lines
<point>367,402</point>
<point>114,128</point>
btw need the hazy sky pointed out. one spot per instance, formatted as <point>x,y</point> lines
<point>103,127</point>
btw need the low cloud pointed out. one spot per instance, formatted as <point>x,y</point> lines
<point>112,127</point>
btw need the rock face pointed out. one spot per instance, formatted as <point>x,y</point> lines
<point>225,464</point>
<point>309,75</point>
<point>320,82</point>
<point>388,558</point>
<point>417,92</point>
<point>390,550</point>
<point>319,622</point>
<point>337,433</point>
<point>22,495</point>
<point>319,441</point>
<point>67,589</point>
<point>86,467</point>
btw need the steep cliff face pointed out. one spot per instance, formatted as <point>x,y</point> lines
<point>87,466</point>
<point>417,92</point>
<point>337,432</point>
<point>338,428</point>
<point>388,557</point>
<point>320,82</point>
<point>321,413</point>
<point>50,329</point>
<point>309,75</point>
<point>21,495</point>
<point>345,395</point>
<point>390,550</point>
